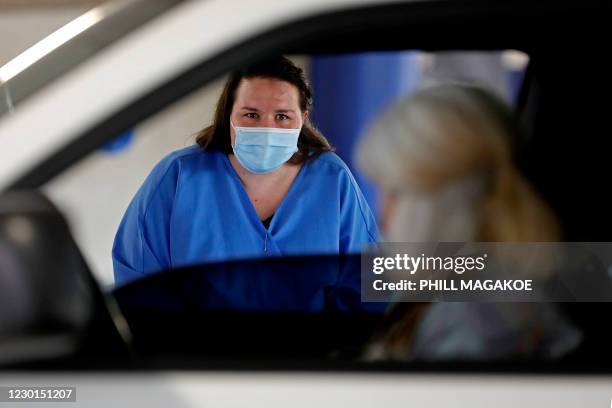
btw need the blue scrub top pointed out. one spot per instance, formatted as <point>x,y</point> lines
<point>193,209</point>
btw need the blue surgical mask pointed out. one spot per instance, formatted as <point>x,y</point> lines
<point>263,149</point>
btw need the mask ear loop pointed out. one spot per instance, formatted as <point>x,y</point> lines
<point>233,144</point>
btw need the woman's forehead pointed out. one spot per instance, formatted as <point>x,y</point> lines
<point>266,92</point>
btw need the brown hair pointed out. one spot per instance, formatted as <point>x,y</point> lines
<point>216,136</point>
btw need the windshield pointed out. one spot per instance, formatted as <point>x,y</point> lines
<point>71,45</point>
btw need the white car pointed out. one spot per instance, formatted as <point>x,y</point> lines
<point>125,61</point>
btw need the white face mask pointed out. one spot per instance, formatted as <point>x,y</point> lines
<point>450,214</point>
<point>263,149</point>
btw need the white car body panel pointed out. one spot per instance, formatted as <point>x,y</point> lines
<point>257,389</point>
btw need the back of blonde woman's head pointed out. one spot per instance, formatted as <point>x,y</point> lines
<point>445,134</point>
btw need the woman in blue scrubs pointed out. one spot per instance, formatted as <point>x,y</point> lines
<point>261,181</point>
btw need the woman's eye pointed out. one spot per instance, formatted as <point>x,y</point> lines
<point>251,115</point>
<point>282,116</point>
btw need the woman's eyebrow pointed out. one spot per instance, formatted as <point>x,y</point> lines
<point>250,109</point>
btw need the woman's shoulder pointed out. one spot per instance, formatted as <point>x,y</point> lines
<point>336,173</point>
<point>331,165</point>
<point>185,157</point>
<point>332,162</point>
<point>165,175</point>
<point>181,155</point>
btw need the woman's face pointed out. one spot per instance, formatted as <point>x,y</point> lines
<point>266,102</point>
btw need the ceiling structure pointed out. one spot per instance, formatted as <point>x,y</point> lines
<point>47,3</point>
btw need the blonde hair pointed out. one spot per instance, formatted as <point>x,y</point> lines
<point>446,133</point>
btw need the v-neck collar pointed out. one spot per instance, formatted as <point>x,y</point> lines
<point>251,209</point>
